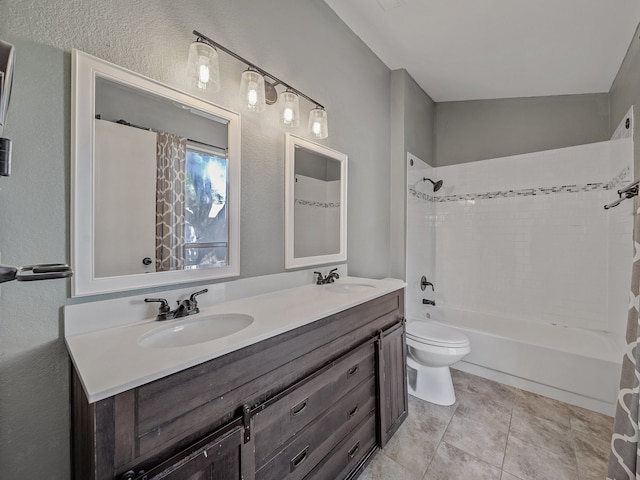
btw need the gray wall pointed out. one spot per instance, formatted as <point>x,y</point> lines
<point>412,125</point>
<point>625,92</point>
<point>481,129</point>
<point>334,67</point>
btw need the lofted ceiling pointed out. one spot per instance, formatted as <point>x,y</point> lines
<point>485,49</point>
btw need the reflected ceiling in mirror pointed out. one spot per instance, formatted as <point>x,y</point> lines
<point>315,204</point>
<point>156,182</point>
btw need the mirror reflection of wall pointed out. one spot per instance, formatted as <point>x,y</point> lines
<point>161,184</point>
<point>317,204</point>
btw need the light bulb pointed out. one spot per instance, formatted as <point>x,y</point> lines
<point>316,128</point>
<point>203,77</point>
<point>252,95</point>
<point>287,115</point>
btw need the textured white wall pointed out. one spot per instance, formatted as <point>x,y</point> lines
<point>301,41</point>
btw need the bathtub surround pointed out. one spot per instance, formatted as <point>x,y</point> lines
<point>626,126</point>
<point>505,242</point>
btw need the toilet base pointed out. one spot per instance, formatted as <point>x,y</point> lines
<point>431,384</point>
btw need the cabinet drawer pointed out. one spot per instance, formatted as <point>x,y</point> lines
<point>296,407</point>
<point>348,454</point>
<point>311,445</point>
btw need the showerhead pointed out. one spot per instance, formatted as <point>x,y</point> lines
<point>436,185</point>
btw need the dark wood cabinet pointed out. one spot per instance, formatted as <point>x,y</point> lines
<point>392,375</point>
<point>314,402</point>
<point>221,455</point>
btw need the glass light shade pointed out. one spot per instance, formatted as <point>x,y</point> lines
<point>203,69</point>
<point>290,109</point>
<point>252,91</point>
<point>318,127</point>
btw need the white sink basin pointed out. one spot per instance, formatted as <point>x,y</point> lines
<point>191,331</point>
<point>349,287</point>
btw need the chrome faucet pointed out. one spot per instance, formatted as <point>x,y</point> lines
<point>185,307</point>
<point>331,277</point>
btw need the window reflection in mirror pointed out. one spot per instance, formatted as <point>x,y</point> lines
<point>206,227</point>
<point>156,171</point>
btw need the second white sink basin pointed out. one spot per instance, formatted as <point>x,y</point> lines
<point>349,287</point>
<point>191,331</point>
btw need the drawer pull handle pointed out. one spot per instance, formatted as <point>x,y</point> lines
<point>354,411</point>
<point>352,452</point>
<point>299,458</point>
<point>299,408</point>
<point>353,369</point>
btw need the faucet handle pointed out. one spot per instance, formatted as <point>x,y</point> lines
<point>194,295</point>
<point>320,279</point>
<point>335,273</point>
<point>164,305</point>
<point>424,284</point>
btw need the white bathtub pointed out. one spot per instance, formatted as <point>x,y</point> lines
<point>577,366</point>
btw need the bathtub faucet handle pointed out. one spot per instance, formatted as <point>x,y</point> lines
<point>424,284</point>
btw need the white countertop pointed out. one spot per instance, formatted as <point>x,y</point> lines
<point>110,361</point>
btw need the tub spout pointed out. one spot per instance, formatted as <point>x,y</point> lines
<point>428,302</point>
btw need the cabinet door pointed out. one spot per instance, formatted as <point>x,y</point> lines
<point>222,455</point>
<point>392,375</point>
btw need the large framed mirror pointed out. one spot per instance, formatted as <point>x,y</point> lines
<point>315,204</point>
<point>156,182</point>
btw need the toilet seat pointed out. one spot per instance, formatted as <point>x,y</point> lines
<point>428,333</point>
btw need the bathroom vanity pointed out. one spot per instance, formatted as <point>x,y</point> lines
<point>313,401</point>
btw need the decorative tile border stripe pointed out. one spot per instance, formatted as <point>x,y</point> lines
<point>309,203</point>
<point>619,180</point>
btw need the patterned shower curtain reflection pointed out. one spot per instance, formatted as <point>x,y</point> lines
<point>171,155</point>
<point>624,459</point>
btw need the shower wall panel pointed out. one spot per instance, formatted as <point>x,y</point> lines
<point>527,237</point>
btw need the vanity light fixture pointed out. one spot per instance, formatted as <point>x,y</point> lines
<point>257,86</point>
<point>203,66</point>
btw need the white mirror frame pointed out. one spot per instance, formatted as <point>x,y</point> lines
<point>85,69</point>
<point>291,141</point>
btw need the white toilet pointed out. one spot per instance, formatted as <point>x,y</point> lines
<point>431,349</point>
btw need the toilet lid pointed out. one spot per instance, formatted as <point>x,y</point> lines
<point>435,334</point>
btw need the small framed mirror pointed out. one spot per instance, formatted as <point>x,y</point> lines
<point>315,204</point>
<point>156,182</point>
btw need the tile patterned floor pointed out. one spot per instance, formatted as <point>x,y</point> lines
<point>495,432</point>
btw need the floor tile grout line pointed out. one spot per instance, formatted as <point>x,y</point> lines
<point>504,457</point>
<point>456,403</point>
